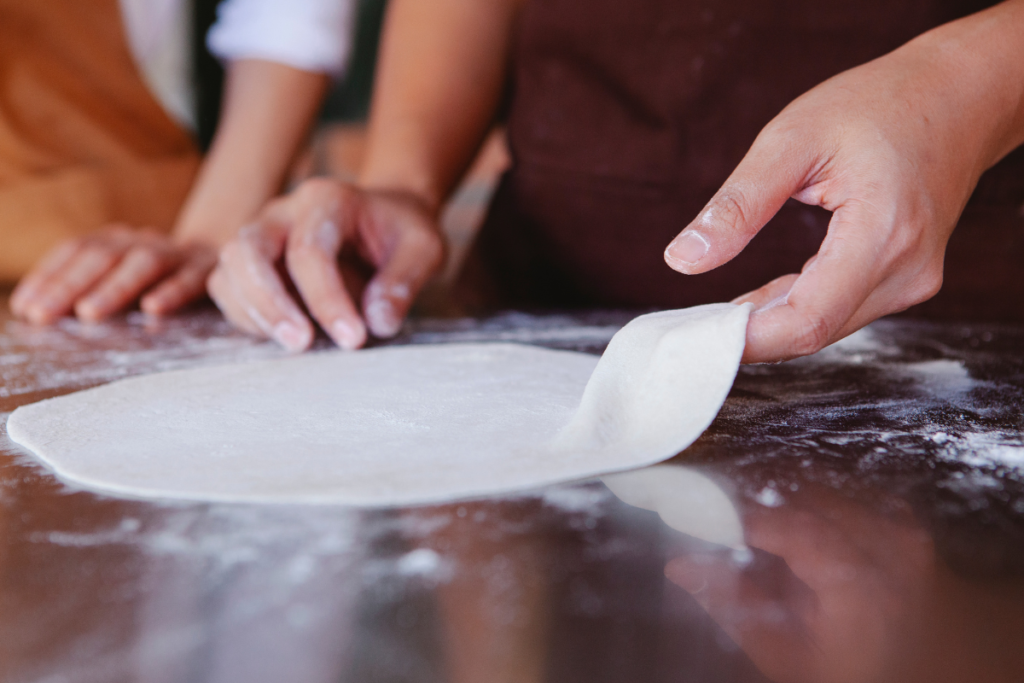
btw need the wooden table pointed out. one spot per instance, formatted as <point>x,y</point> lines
<point>881,485</point>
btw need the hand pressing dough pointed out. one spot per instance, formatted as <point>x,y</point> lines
<point>399,425</point>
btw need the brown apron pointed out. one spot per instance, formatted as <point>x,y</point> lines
<point>626,117</point>
<point>83,143</point>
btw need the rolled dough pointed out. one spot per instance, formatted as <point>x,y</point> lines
<point>398,425</point>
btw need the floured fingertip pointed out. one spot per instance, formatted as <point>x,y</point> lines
<point>382,318</point>
<point>346,335</point>
<point>291,336</point>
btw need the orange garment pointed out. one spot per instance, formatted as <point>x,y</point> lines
<point>83,142</point>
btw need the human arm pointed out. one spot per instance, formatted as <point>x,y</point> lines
<point>441,72</point>
<point>894,148</point>
<point>268,108</point>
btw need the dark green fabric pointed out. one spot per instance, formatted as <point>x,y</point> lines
<point>349,100</point>
<point>207,72</point>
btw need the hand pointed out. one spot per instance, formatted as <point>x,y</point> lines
<point>337,245</point>
<point>97,276</point>
<point>894,149</point>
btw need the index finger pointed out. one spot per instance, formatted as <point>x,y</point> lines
<point>50,265</point>
<point>247,264</point>
<point>826,295</point>
<point>312,260</point>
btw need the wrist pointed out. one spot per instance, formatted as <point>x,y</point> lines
<point>204,232</point>
<point>217,208</point>
<point>418,190</point>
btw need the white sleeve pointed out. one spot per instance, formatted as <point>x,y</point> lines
<point>312,35</point>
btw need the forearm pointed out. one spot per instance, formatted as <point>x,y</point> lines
<point>443,65</point>
<point>981,60</point>
<point>268,108</point>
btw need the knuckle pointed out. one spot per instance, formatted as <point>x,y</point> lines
<point>308,244</point>
<point>905,244</point>
<point>926,285</point>
<point>229,253</point>
<point>99,248</point>
<point>727,209</point>
<point>316,189</point>
<point>916,270</point>
<point>253,232</point>
<point>298,257</point>
<point>260,239</point>
<point>813,336</point>
<point>316,235</point>
<point>932,283</point>
<point>782,132</point>
<point>145,258</point>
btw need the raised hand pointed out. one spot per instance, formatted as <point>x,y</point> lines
<point>894,148</point>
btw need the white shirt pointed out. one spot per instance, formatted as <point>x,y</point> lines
<point>312,35</point>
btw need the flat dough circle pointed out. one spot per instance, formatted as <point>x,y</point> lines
<point>399,425</point>
<point>386,426</point>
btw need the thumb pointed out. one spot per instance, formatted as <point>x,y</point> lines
<point>772,171</point>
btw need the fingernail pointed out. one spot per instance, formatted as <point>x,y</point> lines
<point>347,336</point>
<point>87,309</point>
<point>689,248</point>
<point>774,303</point>
<point>94,302</point>
<point>382,319</point>
<point>290,336</point>
<point>41,312</point>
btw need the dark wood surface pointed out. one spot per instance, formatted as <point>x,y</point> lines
<point>881,486</point>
